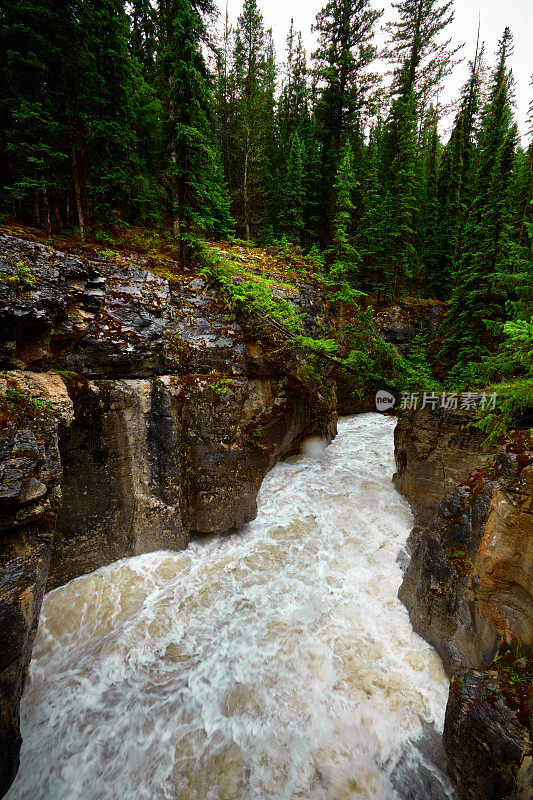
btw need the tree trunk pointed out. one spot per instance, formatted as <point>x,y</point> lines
<point>46,202</point>
<point>77,192</point>
<point>528,198</point>
<point>36,207</point>
<point>246,190</point>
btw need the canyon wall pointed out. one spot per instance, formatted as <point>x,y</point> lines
<point>136,408</point>
<point>469,590</point>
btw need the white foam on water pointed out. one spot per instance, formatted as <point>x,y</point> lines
<point>273,663</point>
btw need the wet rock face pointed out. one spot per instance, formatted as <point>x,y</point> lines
<point>34,408</point>
<point>147,462</point>
<point>469,584</point>
<point>435,452</point>
<point>489,752</point>
<point>469,588</point>
<point>400,322</point>
<point>166,414</point>
<point>123,317</point>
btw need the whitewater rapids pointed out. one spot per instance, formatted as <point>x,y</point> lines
<point>274,663</point>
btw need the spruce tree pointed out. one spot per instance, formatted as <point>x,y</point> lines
<point>292,110</point>
<point>371,227</point>
<point>253,77</point>
<point>417,43</point>
<point>106,112</point>
<point>31,107</point>
<point>342,258</point>
<point>399,168</point>
<point>474,301</point>
<point>193,176</point>
<point>344,54</point>
<point>455,182</point>
<point>434,278</point>
<point>293,192</point>
<point>312,186</point>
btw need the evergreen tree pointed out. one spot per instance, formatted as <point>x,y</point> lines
<point>224,99</point>
<point>418,369</point>
<point>312,186</point>
<point>292,111</point>
<point>31,102</point>
<point>342,59</point>
<point>193,175</point>
<point>422,59</point>
<point>433,277</point>
<point>371,227</point>
<point>342,258</point>
<point>399,168</point>
<point>106,110</point>
<point>455,182</point>
<point>293,194</point>
<point>474,301</point>
<point>254,80</point>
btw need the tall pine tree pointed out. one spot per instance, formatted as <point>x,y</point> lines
<point>345,51</point>
<point>475,301</point>
<point>193,176</point>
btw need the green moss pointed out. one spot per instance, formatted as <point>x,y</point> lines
<point>20,402</point>
<point>252,293</point>
<point>68,376</point>
<point>514,666</point>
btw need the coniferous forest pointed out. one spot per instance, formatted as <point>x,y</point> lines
<point>163,115</point>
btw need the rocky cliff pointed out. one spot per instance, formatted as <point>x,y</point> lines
<point>136,407</point>
<point>469,590</point>
<point>397,322</point>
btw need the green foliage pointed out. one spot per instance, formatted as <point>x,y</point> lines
<point>345,52</point>
<point>342,257</point>
<point>417,367</point>
<point>109,255</point>
<point>316,257</point>
<point>422,55</point>
<point>375,363</point>
<point>23,278</point>
<point>509,373</point>
<point>22,402</point>
<point>117,115</point>
<point>401,207</point>
<point>293,221</point>
<point>473,301</point>
<point>252,294</point>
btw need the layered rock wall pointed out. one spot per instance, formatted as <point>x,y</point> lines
<point>147,462</point>
<point>33,410</point>
<point>469,591</point>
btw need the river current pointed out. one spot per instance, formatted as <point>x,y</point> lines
<point>273,663</point>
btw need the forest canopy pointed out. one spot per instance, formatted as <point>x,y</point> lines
<point>161,114</point>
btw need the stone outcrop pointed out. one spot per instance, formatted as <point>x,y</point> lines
<point>33,410</point>
<point>469,590</point>
<point>489,751</point>
<point>147,462</point>
<point>164,411</point>
<point>435,451</point>
<point>399,321</point>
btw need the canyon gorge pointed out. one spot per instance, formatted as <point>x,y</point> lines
<point>140,418</point>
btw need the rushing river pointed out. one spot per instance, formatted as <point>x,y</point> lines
<point>275,663</point>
